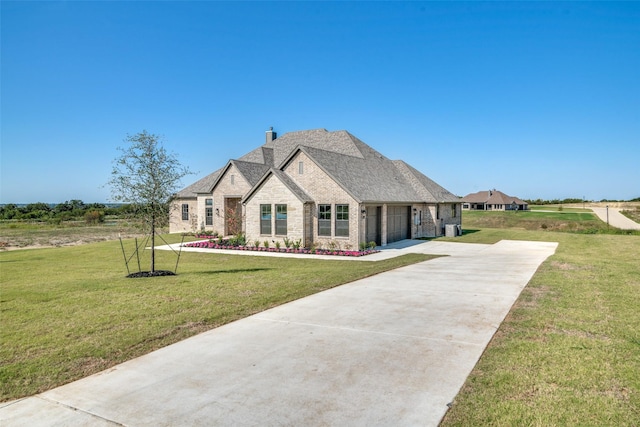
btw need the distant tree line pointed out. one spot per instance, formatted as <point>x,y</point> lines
<point>553,201</point>
<point>67,211</point>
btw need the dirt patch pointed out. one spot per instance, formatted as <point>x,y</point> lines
<point>45,237</point>
<point>562,266</point>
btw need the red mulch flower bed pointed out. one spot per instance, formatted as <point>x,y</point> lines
<point>214,244</point>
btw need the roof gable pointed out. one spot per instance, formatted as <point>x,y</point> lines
<point>365,179</point>
<point>252,172</point>
<point>285,179</point>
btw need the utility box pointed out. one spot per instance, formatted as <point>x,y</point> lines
<point>451,230</point>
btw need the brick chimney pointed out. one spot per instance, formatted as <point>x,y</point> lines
<point>271,135</point>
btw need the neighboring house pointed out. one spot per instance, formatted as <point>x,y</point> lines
<point>493,200</point>
<point>321,188</point>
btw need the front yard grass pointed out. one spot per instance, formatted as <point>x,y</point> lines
<point>568,353</point>
<point>70,312</point>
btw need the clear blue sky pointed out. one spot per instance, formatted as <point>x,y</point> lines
<point>535,99</point>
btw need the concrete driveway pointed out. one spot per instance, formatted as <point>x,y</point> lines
<point>388,350</point>
<point>615,218</point>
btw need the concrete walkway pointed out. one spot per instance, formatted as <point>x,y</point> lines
<point>616,219</point>
<point>389,350</point>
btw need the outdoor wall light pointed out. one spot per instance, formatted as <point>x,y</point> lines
<point>217,212</point>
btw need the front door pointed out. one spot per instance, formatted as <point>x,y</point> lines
<point>232,216</point>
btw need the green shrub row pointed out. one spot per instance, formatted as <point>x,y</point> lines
<point>69,210</point>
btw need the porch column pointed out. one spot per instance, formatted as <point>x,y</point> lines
<point>383,226</point>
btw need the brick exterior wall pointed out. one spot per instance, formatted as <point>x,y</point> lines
<point>324,190</point>
<point>442,214</point>
<point>273,192</point>
<point>176,224</point>
<point>302,218</point>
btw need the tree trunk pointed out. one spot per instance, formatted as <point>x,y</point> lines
<point>153,239</point>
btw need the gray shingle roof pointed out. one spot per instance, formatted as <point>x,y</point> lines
<point>493,197</point>
<point>338,142</point>
<point>428,189</point>
<point>362,171</point>
<point>203,185</point>
<point>367,179</point>
<point>252,172</point>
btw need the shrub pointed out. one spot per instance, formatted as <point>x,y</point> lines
<point>266,244</point>
<point>94,217</point>
<point>256,243</point>
<point>238,240</point>
<point>372,245</point>
<point>287,242</point>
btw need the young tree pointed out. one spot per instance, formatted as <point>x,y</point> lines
<point>146,176</point>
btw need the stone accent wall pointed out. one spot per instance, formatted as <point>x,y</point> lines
<point>176,224</point>
<point>324,190</point>
<point>225,188</point>
<point>274,192</point>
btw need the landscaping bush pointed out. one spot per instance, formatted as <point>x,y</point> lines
<point>232,243</point>
<point>94,217</point>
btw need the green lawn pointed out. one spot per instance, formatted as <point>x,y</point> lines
<point>558,208</point>
<point>568,353</point>
<point>69,312</point>
<point>573,222</point>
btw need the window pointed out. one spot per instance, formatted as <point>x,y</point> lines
<point>342,220</point>
<point>185,212</point>
<point>208,211</point>
<point>281,220</point>
<point>437,211</point>
<point>265,219</point>
<point>453,211</point>
<point>324,220</point>
<point>300,168</point>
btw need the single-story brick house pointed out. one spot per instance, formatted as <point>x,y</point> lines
<point>319,187</point>
<point>493,200</point>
